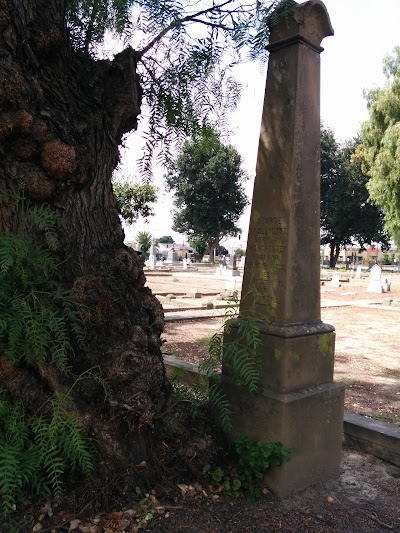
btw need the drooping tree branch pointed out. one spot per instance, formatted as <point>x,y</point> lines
<point>179,22</point>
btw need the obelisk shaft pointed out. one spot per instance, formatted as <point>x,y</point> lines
<point>281,279</point>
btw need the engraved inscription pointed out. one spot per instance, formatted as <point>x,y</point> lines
<point>267,248</point>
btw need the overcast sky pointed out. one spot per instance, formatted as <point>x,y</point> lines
<point>365,32</point>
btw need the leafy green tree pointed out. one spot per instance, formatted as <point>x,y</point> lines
<point>144,240</point>
<point>199,244</point>
<point>240,252</point>
<point>134,199</point>
<point>381,145</point>
<point>221,250</point>
<point>206,179</point>
<point>166,239</point>
<point>346,214</point>
<point>66,106</point>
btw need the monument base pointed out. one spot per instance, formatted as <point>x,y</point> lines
<point>310,421</point>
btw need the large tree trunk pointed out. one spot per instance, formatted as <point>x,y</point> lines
<point>62,118</point>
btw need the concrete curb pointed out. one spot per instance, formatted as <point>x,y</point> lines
<point>372,436</point>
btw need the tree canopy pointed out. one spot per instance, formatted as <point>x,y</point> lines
<point>199,244</point>
<point>381,145</point>
<point>206,179</point>
<point>166,239</point>
<point>346,214</point>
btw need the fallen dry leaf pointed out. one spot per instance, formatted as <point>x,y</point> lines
<point>74,524</point>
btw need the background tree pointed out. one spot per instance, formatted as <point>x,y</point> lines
<point>240,252</point>
<point>65,107</point>
<point>199,244</point>
<point>166,239</point>
<point>206,181</point>
<point>144,240</point>
<point>221,250</point>
<point>381,145</point>
<point>346,214</point>
<point>134,199</point>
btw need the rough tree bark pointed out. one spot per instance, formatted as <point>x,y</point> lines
<point>62,118</point>
<point>334,253</point>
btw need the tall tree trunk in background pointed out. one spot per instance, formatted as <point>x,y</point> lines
<point>62,118</point>
<point>211,249</point>
<point>334,254</point>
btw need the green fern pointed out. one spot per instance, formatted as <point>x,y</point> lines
<point>36,452</point>
<point>242,354</point>
<point>217,401</point>
<point>37,316</point>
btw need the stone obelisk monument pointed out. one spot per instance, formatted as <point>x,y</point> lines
<point>298,404</point>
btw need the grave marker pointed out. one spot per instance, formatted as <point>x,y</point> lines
<point>375,280</point>
<point>335,281</point>
<point>299,405</point>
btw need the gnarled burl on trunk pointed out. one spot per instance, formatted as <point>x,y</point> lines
<point>62,117</point>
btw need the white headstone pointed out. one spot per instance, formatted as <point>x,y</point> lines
<point>358,272</point>
<point>335,281</point>
<point>184,263</point>
<point>375,280</point>
<point>242,261</point>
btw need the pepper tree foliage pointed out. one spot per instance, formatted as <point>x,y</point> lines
<point>380,151</point>
<point>206,181</point>
<point>185,51</point>
<point>346,214</point>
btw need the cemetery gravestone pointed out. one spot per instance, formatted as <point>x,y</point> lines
<point>299,404</point>
<point>232,269</point>
<point>375,279</point>
<point>335,281</point>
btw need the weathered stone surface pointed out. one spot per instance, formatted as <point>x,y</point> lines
<point>294,362</point>
<point>310,421</point>
<point>282,273</point>
<point>298,405</point>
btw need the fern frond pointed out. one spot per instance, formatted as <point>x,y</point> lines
<point>54,466</point>
<point>10,475</point>
<point>217,401</point>
<point>243,368</point>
